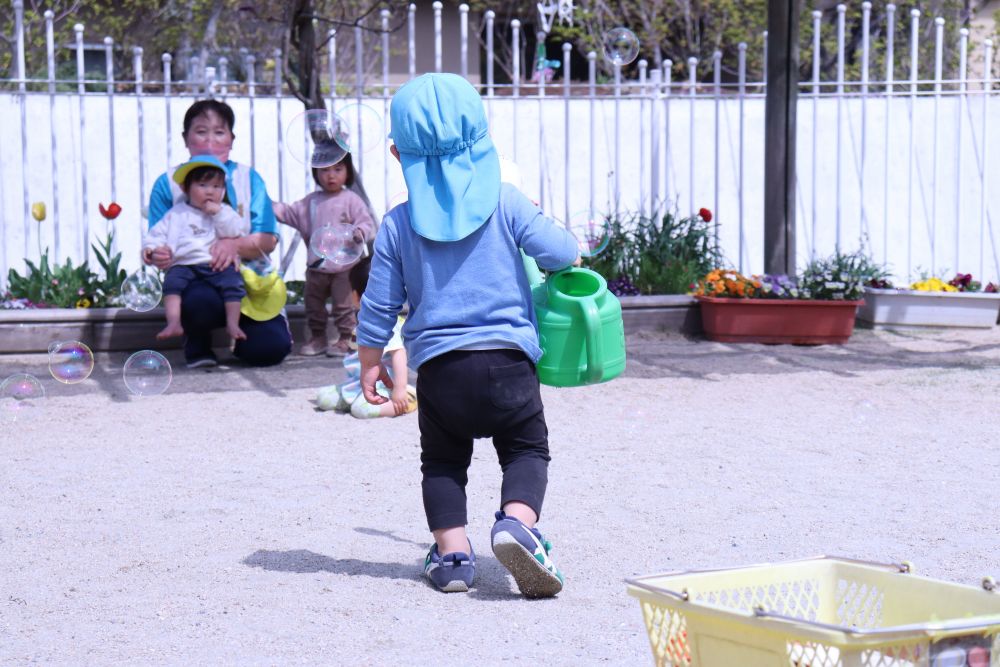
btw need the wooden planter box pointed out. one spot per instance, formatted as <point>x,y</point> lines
<point>796,321</point>
<point>106,329</point>
<point>911,308</point>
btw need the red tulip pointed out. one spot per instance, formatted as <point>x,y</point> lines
<point>705,214</point>
<point>111,212</point>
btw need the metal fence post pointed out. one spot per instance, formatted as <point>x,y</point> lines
<point>692,85</point>
<point>515,42</point>
<point>567,49</point>
<point>437,35</point>
<point>866,11</point>
<point>983,199</point>
<point>140,125</point>
<point>81,89</point>
<point>109,68</point>
<point>938,66</point>
<point>962,74</point>
<point>841,10</point>
<point>717,92</point>
<point>742,74</point>
<point>914,55</point>
<point>592,93</point>
<point>50,52</point>
<point>817,17</point>
<point>411,39</point>
<point>463,17</point>
<point>890,10</point>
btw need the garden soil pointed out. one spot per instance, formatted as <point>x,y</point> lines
<point>228,521</point>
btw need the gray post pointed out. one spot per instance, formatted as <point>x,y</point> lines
<point>779,121</point>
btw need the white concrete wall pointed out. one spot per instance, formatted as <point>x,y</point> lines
<point>906,246</point>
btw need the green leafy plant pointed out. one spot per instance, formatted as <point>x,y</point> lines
<point>658,255</point>
<point>841,276</point>
<point>69,286</point>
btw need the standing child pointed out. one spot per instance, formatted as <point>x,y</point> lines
<point>346,396</point>
<point>452,252</point>
<point>334,202</point>
<point>188,230</point>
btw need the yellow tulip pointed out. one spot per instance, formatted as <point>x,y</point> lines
<point>38,211</point>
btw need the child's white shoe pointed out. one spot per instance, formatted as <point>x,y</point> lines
<point>330,398</point>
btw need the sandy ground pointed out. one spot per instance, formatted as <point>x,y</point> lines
<point>229,522</point>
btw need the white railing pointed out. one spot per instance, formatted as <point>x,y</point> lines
<point>899,163</point>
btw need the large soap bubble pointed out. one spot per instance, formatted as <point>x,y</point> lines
<point>147,373</point>
<point>362,129</point>
<point>592,232</point>
<point>70,361</point>
<point>621,46</point>
<point>337,242</point>
<point>20,394</point>
<point>316,138</point>
<point>141,291</point>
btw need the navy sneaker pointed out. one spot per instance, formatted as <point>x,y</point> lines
<point>452,573</point>
<point>526,554</point>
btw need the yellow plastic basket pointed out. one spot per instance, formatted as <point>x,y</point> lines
<point>818,612</point>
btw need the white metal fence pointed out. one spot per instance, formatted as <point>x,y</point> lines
<point>897,160</point>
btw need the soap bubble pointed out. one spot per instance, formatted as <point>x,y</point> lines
<point>147,373</point>
<point>362,129</point>
<point>865,411</point>
<point>593,233</point>
<point>314,138</point>
<point>337,242</point>
<point>70,361</point>
<point>141,292</point>
<point>621,46</point>
<point>19,395</point>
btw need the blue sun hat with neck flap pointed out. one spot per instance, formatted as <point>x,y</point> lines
<point>450,165</point>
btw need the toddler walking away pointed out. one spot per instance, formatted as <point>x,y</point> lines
<point>188,229</point>
<point>334,202</point>
<point>452,252</point>
<point>346,397</point>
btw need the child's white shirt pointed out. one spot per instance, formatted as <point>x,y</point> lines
<point>190,232</point>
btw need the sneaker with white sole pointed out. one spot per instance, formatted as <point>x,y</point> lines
<point>203,362</point>
<point>527,555</point>
<point>451,573</point>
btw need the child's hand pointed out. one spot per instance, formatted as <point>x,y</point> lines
<point>400,399</point>
<point>161,257</point>
<point>212,207</point>
<point>373,370</point>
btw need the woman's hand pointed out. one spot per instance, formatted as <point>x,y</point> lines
<point>161,257</point>
<point>225,252</point>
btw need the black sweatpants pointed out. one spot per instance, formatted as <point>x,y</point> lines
<point>470,394</point>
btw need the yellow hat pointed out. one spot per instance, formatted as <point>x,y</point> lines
<point>266,295</point>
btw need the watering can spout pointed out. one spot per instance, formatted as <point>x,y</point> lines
<point>531,270</point>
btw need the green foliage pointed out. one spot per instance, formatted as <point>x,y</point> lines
<point>841,276</point>
<point>296,290</point>
<point>659,255</point>
<point>68,286</point>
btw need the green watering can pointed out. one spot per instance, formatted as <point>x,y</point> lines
<point>580,327</point>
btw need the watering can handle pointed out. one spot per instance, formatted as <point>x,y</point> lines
<point>595,367</point>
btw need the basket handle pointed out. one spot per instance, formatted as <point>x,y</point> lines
<point>760,612</point>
